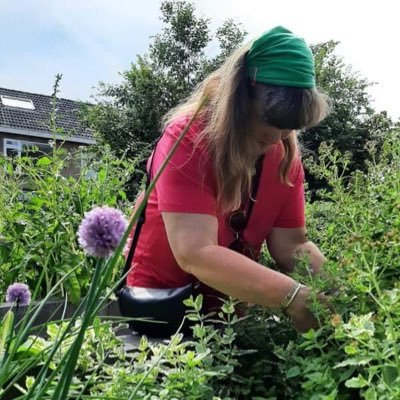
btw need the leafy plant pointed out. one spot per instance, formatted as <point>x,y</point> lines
<point>41,209</point>
<point>355,352</point>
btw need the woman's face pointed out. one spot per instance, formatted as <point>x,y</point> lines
<point>266,135</point>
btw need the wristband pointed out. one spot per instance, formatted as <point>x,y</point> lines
<point>287,301</point>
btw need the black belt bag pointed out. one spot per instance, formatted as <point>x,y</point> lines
<point>156,317</point>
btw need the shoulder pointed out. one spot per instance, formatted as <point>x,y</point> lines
<point>175,127</point>
<point>190,152</point>
<point>191,147</point>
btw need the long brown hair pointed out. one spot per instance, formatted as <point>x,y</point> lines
<point>231,101</point>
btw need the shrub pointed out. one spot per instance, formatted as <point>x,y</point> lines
<point>355,353</point>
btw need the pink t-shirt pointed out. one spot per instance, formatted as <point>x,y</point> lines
<point>188,185</point>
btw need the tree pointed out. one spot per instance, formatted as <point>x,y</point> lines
<point>352,121</point>
<point>127,115</point>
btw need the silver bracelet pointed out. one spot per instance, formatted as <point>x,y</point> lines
<point>287,301</point>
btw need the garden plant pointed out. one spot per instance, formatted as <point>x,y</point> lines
<point>41,209</point>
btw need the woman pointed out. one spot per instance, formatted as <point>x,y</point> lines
<point>255,103</point>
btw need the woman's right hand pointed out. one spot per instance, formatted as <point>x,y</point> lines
<point>303,319</point>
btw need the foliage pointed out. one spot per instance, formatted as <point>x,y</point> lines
<point>180,368</point>
<point>359,233</point>
<point>43,198</point>
<point>352,121</point>
<point>41,210</point>
<point>355,353</point>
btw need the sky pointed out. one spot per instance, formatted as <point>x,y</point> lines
<point>89,41</point>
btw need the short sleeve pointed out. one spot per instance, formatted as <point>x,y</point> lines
<point>292,213</point>
<point>187,184</point>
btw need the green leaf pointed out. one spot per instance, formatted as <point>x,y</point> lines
<point>122,194</point>
<point>357,382</point>
<point>7,325</point>
<point>199,331</point>
<point>228,308</point>
<point>29,381</point>
<point>198,303</point>
<point>370,394</point>
<point>43,161</point>
<point>101,176</point>
<point>189,302</point>
<point>351,350</point>
<point>144,343</point>
<point>293,372</point>
<point>33,345</point>
<point>73,288</point>
<point>310,334</point>
<point>192,317</point>
<point>346,374</point>
<point>390,374</point>
<point>354,361</point>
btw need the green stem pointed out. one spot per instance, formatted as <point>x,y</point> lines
<point>72,355</point>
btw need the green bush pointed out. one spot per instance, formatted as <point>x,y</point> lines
<point>41,209</point>
<point>355,354</point>
<point>176,369</point>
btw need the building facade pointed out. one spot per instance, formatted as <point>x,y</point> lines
<point>25,123</point>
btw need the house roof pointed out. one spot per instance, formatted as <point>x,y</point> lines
<point>36,122</point>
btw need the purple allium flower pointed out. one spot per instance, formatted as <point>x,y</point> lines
<point>19,293</point>
<point>101,231</point>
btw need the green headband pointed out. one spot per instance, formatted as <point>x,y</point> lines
<point>279,57</point>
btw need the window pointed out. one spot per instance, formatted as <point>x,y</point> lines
<point>11,147</point>
<point>17,102</point>
<point>23,148</point>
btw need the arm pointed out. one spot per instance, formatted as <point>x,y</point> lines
<point>284,244</point>
<point>193,241</point>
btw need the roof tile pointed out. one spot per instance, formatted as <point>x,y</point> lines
<point>67,115</point>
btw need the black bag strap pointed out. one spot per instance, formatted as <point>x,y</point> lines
<point>142,217</point>
<point>138,228</point>
<point>255,183</point>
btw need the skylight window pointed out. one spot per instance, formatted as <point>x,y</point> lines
<point>17,102</point>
